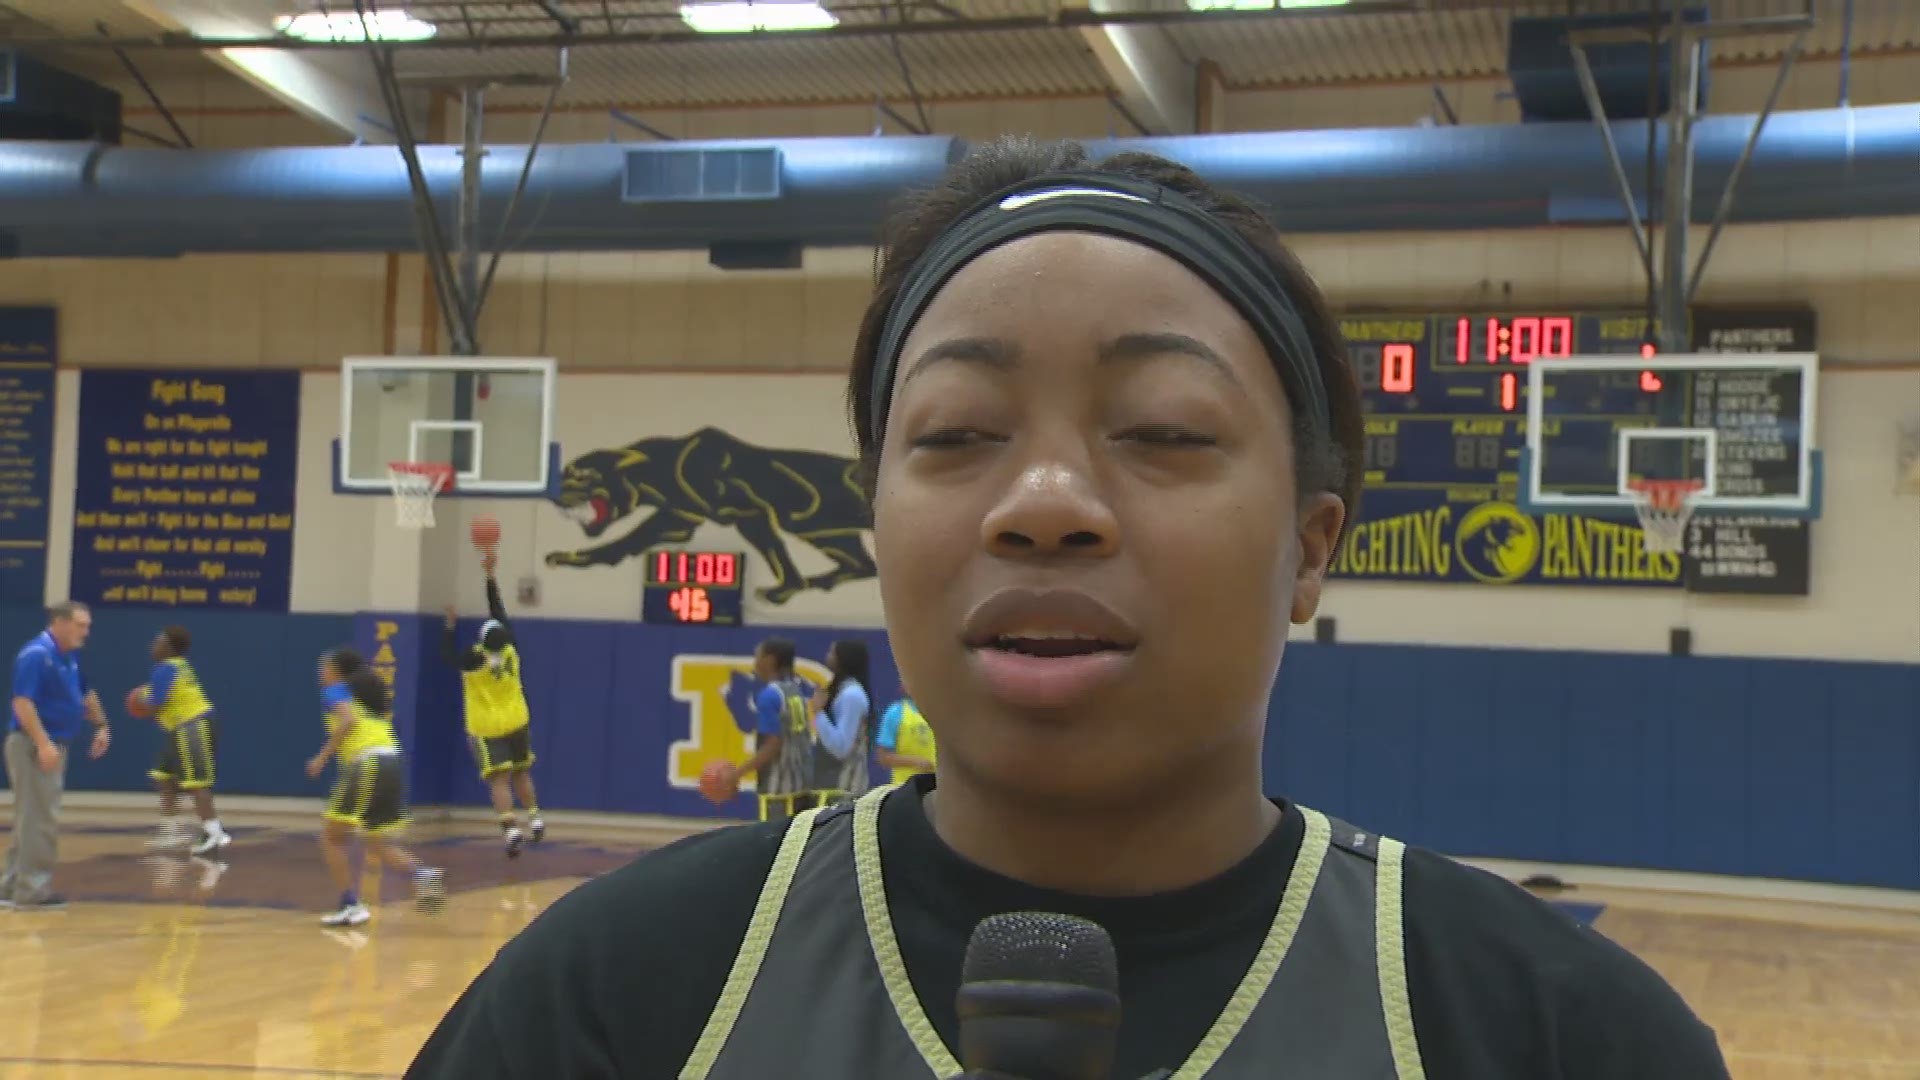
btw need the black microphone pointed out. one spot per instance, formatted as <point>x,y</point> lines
<point>1039,999</point>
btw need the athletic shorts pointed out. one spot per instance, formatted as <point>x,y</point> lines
<point>371,793</point>
<point>185,759</point>
<point>511,752</point>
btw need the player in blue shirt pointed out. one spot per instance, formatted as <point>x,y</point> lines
<point>52,707</point>
<point>782,761</point>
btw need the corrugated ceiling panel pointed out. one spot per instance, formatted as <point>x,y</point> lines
<point>1465,39</point>
<point>1004,64</point>
<point>1296,51</point>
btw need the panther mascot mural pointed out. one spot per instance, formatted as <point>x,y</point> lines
<point>711,477</point>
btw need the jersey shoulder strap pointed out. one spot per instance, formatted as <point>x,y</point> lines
<point>1354,840</point>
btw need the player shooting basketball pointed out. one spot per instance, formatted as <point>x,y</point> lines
<point>496,706</point>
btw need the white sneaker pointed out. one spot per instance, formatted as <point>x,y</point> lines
<point>211,842</point>
<point>350,915</point>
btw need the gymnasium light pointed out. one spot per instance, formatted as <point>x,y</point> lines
<point>1261,5</point>
<point>348,26</point>
<point>740,18</point>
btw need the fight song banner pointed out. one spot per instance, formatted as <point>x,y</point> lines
<point>184,489</point>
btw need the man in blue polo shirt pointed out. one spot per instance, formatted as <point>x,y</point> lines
<point>52,705</point>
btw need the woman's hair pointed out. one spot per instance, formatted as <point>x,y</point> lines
<point>493,638</point>
<point>850,661</point>
<point>781,650</point>
<point>344,661</point>
<point>1323,461</point>
<point>370,690</point>
<point>178,639</point>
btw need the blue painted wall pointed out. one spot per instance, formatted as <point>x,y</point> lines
<point>259,670</point>
<point>1793,769</point>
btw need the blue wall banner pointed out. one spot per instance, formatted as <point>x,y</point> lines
<point>185,489</point>
<point>28,354</point>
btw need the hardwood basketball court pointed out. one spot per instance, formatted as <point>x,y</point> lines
<point>170,968</point>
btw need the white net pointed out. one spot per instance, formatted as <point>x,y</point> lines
<point>415,483</point>
<point>1665,507</point>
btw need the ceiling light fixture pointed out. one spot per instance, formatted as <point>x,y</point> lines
<point>1261,5</point>
<point>741,18</point>
<point>348,26</point>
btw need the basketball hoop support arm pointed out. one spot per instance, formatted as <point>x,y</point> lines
<point>460,288</point>
<point>1668,282</point>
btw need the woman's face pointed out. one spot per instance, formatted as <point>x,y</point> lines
<point>833,659</point>
<point>1086,522</point>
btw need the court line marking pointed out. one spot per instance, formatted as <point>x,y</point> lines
<point>278,1070</point>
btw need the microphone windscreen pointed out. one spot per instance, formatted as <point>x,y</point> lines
<point>1039,946</point>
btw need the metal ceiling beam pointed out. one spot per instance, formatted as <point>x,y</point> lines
<point>1149,76</point>
<point>335,90</point>
<point>1670,287</point>
<point>1063,19</point>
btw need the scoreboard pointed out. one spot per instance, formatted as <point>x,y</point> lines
<point>1444,394</point>
<point>1445,397</point>
<point>699,588</point>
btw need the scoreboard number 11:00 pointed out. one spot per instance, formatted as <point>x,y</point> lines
<point>700,588</point>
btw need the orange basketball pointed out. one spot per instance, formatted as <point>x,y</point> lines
<point>718,782</point>
<point>485,531</point>
<point>137,704</point>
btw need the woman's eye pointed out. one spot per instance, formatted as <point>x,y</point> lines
<point>1166,435</point>
<point>947,438</point>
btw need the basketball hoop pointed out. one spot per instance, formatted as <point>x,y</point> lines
<point>415,483</point>
<point>1665,507</point>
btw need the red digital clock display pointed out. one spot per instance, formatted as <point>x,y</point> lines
<point>1517,340</point>
<point>690,604</point>
<point>696,587</point>
<point>1504,343</point>
<point>717,568</point>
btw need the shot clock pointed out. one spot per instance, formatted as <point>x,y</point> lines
<point>694,588</point>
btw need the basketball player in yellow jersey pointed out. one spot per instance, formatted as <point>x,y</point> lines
<point>904,742</point>
<point>497,719</point>
<point>185,763</point>
<point>370,795</point>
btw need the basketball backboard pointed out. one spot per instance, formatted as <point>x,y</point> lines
<point>1740,426</point>
<point>490,418</point>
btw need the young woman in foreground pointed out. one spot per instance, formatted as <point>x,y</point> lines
<point>1114,441</point>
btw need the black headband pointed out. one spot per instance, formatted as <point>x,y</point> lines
<point>1118,206</point>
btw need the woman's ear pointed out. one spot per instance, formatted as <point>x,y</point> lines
<point>1322,517</point>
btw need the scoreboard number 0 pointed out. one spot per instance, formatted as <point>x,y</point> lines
<point>1385,367</point>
